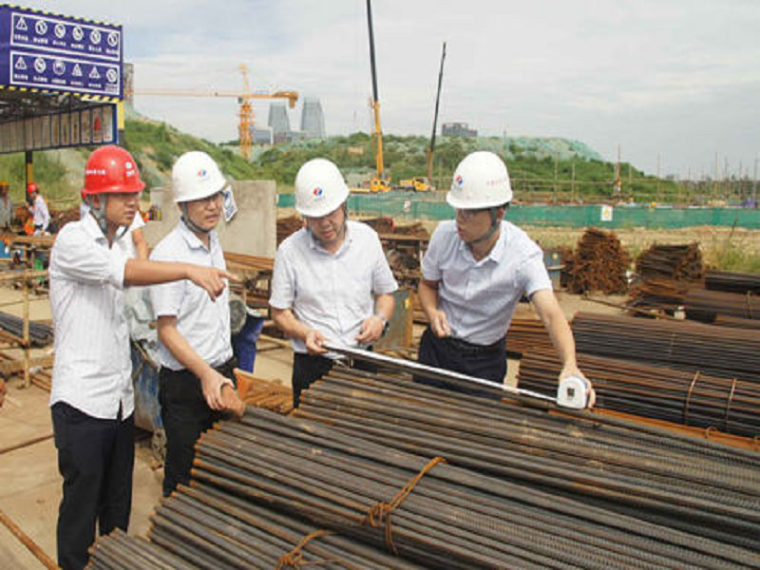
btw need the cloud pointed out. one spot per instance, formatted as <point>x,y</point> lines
<point>668,76</point>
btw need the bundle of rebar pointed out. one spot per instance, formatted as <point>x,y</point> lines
<point>704,305</point>
<point>39,334</point>
<point>288,225</point>
<point>526,335</point>
<point>676,262</point>
<point>256,274</point>
<point>732,282</point>
<point>661,293</point>
<point>600,264</point>
<point>732,406</point>
<point>590,469</point>
<point>726,352</point>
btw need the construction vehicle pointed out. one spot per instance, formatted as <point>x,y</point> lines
<point>417,184</point>
<point>244,99</point>
<point>380,182</point>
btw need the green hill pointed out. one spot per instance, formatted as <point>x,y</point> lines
<point>540,167</point>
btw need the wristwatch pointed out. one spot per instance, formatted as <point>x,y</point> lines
<point>386,324</point>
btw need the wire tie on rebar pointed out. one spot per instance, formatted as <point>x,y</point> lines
<point>294,558</point>
<point>709,431</point>
<point>728,405</point>
<point>688,397</point>
<point>380,513</point>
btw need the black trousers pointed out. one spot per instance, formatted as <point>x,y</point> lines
<point>486,362</point>
<point>96,458</point>
<point>185,415</point>
<point>308,368</point>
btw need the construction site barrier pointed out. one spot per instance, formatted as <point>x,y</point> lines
<point>406,206</point>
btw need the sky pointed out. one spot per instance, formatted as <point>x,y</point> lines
<point>673,84</point>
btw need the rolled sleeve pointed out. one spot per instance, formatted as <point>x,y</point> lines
<point>80,259</point>
<point>283,281</point>
<point>533,274</point>
<point>431,267</point>
<point>167,297</point>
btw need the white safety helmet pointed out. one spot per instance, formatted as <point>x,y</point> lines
<point>480,181</point>
<point>196,176</point>
<point>320,188</point>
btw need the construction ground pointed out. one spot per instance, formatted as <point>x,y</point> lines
<point>31,485</point>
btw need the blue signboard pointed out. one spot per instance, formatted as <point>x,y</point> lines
<point>48,52</point>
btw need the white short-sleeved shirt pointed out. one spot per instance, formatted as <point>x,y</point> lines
<point>204,323</point>
<point>333,293</point>
<point>41,213</point>
<point>92,370</point>
<point>479,297</point>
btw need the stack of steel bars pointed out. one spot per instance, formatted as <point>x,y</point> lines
<point>726,352</point>
<point>600,264</point>
<point>519,489</point>
<point>39,334</point>
<point>589,468</point>
<point>525,335</point>
<point>732,282</point>
<point>676,262</point>
<point>704,304</point>
<point>732,406</point>
<point>664,293</point>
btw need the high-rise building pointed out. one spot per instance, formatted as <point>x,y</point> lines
<point>457,130</point>
<point>312,119</point>
<point>279,121</point>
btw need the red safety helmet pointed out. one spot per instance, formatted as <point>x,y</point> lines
<point>109,170</point>
<point>31,188</point>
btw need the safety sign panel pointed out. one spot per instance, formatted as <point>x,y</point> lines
<point>46,52</point>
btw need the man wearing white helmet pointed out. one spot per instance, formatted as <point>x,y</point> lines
<point>331,279</point>
<point>475,271</point>
<point>196,385</point>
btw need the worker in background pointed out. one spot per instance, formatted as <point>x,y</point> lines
<point>6,206</point>
<point>38,209</point>
<point>196,386</point>
<point>474,273</point>
<point>331,280</point>
<point>92,397</point>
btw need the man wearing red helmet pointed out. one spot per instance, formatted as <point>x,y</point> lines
<point>92,397</point>
<point>38,209</point>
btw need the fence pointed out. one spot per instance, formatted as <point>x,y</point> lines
<point>409,206</point>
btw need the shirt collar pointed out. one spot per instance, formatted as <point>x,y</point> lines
<point>314,244</point>
<point>92,228</point>
<point>497,250</point>
<point>193,241</point>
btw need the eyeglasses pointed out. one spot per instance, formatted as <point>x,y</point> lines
<point>467,215</point>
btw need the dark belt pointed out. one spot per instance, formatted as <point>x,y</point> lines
<point>472,349</point>
<point>225,369</point>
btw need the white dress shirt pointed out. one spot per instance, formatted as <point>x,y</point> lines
<point>126,242</point>
<point>41,213</point>
<point>479,297</point>
<point>204,323</point>
<point>92,370</point>
<point>333,293</point>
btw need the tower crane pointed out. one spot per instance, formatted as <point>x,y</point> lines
<point>244,98</point>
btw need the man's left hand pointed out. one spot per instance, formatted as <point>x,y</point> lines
<point>371,330</point>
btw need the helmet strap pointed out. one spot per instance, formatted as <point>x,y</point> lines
<point>495,225</point>
<point>185,217</point>
<point>100,216</point>
<point>99,213</point>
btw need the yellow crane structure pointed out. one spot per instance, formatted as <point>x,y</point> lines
<point>244,98</point>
